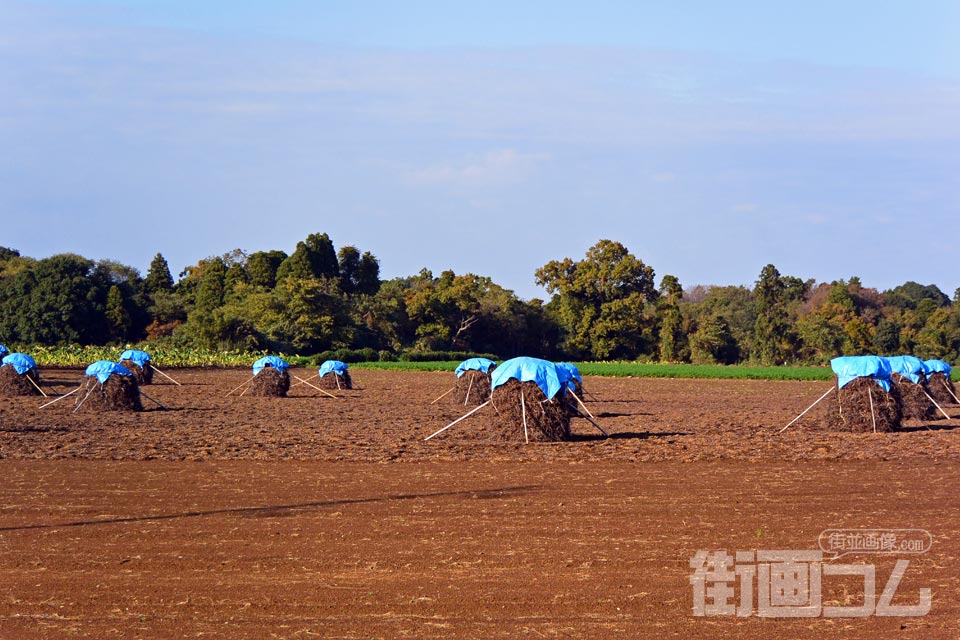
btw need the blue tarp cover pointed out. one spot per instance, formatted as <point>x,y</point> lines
<point>103,369</point>
<point>3,351</point>
<point>19,361</point>
<point>270,361</point>
<point>140,358</point>
<point>474,364</point>
<point>849,368</point>
<point>938,366</point>
<point>544,373</point>
<point>572,370</point>
<point>334,366</point>
<point>908,366</point>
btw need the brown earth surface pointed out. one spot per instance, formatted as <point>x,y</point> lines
<point>277,517</point>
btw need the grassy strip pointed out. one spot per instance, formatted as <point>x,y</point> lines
<point>167,356</point>
<point>740,372</point>
<point>437,365</point>
<point>640,370</point>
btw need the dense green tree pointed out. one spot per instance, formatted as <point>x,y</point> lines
<point>57,300</point>
<point>158,276</point>
<point>774,338</point>
<point>314,257</point>
<point>368,274</point>
<point>712,342</point>
<point>910,294</point>
<point>262,268</point>
<point>600,302</point>
<point>117,315</point>
<point>672,339</point>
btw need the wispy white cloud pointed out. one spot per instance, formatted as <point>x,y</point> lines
<point>498,167</point>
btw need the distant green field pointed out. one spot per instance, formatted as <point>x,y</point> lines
<point>637,370</point>
<point>179,357</point>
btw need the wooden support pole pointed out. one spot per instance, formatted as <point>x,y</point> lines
<point>315,387</point>
<point>77,408</point>
<point>930,398</point>
<point>463,417</point>
<point>808,409</point>
<point>947,387</point>
<point>304,381</point>
<point>469,386</point>
<point>240,385</point>
<point>873,416</point>
<point>444,394</point>
<point>166,376</point>
<point>47,404</point>
<point>589,415</point>
<point>523,412</point>
<point>36,385</point>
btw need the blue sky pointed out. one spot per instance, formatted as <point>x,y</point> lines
<point>710,138</point>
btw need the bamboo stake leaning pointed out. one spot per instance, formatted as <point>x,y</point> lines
<point>930,398</point>
<point>590,418</point>
<point>47,404</point>
<point>77,408</point>
<point>523,412</point>
<point>444,394</point>
<point>317,388</point>
<point>240,385</point>
<point>36,385</point>
<point>304,381</point>
<point>463,417</point>
<point>470,386</point>
<point>873,416</point>
<point>166,376</point>
<point>947,387</point>
<point>808,409</point>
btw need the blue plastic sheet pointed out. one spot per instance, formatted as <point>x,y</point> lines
<point>3,351</point>
<point>849,368</point>
<point>270,361</point>
<point>333,366</point>
<point>19,361</point>
<point>474,364</point>
<point>909,367</point>
<point>103,369</point>
<point>550,378</point>
<point>572,370</point>
<point>938,366</point>
<point>139,358</point>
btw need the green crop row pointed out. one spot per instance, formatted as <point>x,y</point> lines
<point>642,370</point>
<point>162,356</point>
<point>167,356</point>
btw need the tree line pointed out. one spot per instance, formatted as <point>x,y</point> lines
<point>604,306</point>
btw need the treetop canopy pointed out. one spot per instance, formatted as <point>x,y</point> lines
<point>103,369</point>
<point>474,364</point>
<point>333,366</point>
<point>547,375</point>
<point>849,368</point>
<point>270,361</point>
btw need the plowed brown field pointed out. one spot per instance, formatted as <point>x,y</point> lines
<point>315,517</point>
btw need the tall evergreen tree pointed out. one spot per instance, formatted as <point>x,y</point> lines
<point>158,276</point>
<point>314,257</point>
<point>668,309</point>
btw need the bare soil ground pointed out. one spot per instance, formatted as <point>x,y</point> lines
<point>277,517</point>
